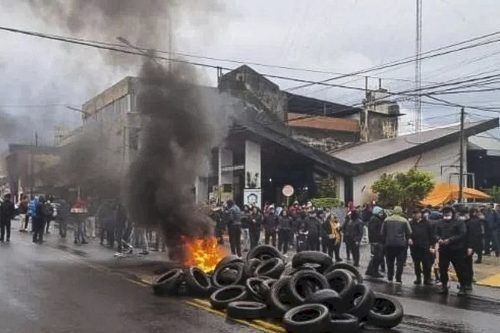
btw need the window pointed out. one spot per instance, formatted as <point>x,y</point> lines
<point>133,138</point>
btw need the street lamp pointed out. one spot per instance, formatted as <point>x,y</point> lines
<point>76,109</point>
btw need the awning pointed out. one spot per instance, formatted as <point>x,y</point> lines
<point>444,193</point>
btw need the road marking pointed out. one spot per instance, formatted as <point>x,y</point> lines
<point>257,324</point>
<point>260,325</point>
<point>490,281</point>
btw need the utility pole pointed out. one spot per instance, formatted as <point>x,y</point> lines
<point>367,105</point>
<point>170,42</point>
<point>461,171</point>
<point>418,69</point>
<point>32,166</point>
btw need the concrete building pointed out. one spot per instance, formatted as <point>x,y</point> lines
<point>27,167</point>
<point>279,139</point>
<point>483,160</point>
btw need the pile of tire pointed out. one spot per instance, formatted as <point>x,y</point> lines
<point>308,294</point>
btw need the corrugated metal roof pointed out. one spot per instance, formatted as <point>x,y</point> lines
<point>372,155</point>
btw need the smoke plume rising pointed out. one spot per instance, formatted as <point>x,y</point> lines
<point>181,122</point>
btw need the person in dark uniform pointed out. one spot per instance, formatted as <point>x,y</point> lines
<point>284,231</point>
<point>451,237</point>
<point>376,243</point>
<point>7,213</point>
<point>270,227</point>
<point>314,229</point>
<point>234,227</point>
<point>422,239</point>
<point>474,244</point>
<point>353,233</point>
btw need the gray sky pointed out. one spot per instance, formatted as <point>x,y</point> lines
<point>337,36</point>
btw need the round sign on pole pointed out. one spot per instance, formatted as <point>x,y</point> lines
<point>288,190</point>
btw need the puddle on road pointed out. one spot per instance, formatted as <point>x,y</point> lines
<point>472,302</point>
<point>419,324</point>
<point>72,251</point>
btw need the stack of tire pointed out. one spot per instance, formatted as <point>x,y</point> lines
<point>309,294</point>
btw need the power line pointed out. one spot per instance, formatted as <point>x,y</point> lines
<point>410,59</point>
<point>121,49</point>
<point>197,56</point>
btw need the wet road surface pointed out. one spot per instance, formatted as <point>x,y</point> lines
<point>42,289</point>
<point>55,287</point>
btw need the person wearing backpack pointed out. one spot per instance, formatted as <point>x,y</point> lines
<point>38,219</point>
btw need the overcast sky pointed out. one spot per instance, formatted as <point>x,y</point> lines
<point>336,36</point>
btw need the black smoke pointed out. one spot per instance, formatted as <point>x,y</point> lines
<point>180,127</point>
<point>181,122</point>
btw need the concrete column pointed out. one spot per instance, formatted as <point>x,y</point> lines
<point>253,174</point>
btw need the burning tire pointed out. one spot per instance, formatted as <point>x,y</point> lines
<point>329,298</point>
<point>279,300</point>
<point>341,281</point>
<point>250,267</point>
<point>197,281</point>
<point>386,312</point>
<point>167,283</point>
<point>263,252</point>
<point>348,267</point>
<point>246,310</point>
<point>228,274</point>
<point>221,298</point>
<point>307,318</point>
<point>343,323</point>
<point>318,260</point>
<point>305,283</point>
<point>228,260</point>
<point>361,301</point>
<point>272,267</point>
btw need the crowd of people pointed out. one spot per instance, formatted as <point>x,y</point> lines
<point>102,219</point>
<point>435,239</point>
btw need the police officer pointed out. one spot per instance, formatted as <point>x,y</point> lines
<point>450,235</point>
<point>474,244</point>
<point>422,239</point>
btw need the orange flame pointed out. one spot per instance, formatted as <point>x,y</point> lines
<point>203,253</point>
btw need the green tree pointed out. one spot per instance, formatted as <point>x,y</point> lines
<point>404,189</point>
<point>387,189</point>
<point>327,187</point>
<point>495,193</point>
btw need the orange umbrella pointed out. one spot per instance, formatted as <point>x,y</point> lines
<point>444,193</point>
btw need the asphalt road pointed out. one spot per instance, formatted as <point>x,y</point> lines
<point>60,287</point>
<point>44,289</point>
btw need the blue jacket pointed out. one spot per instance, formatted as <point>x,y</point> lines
<point>32,207</point>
